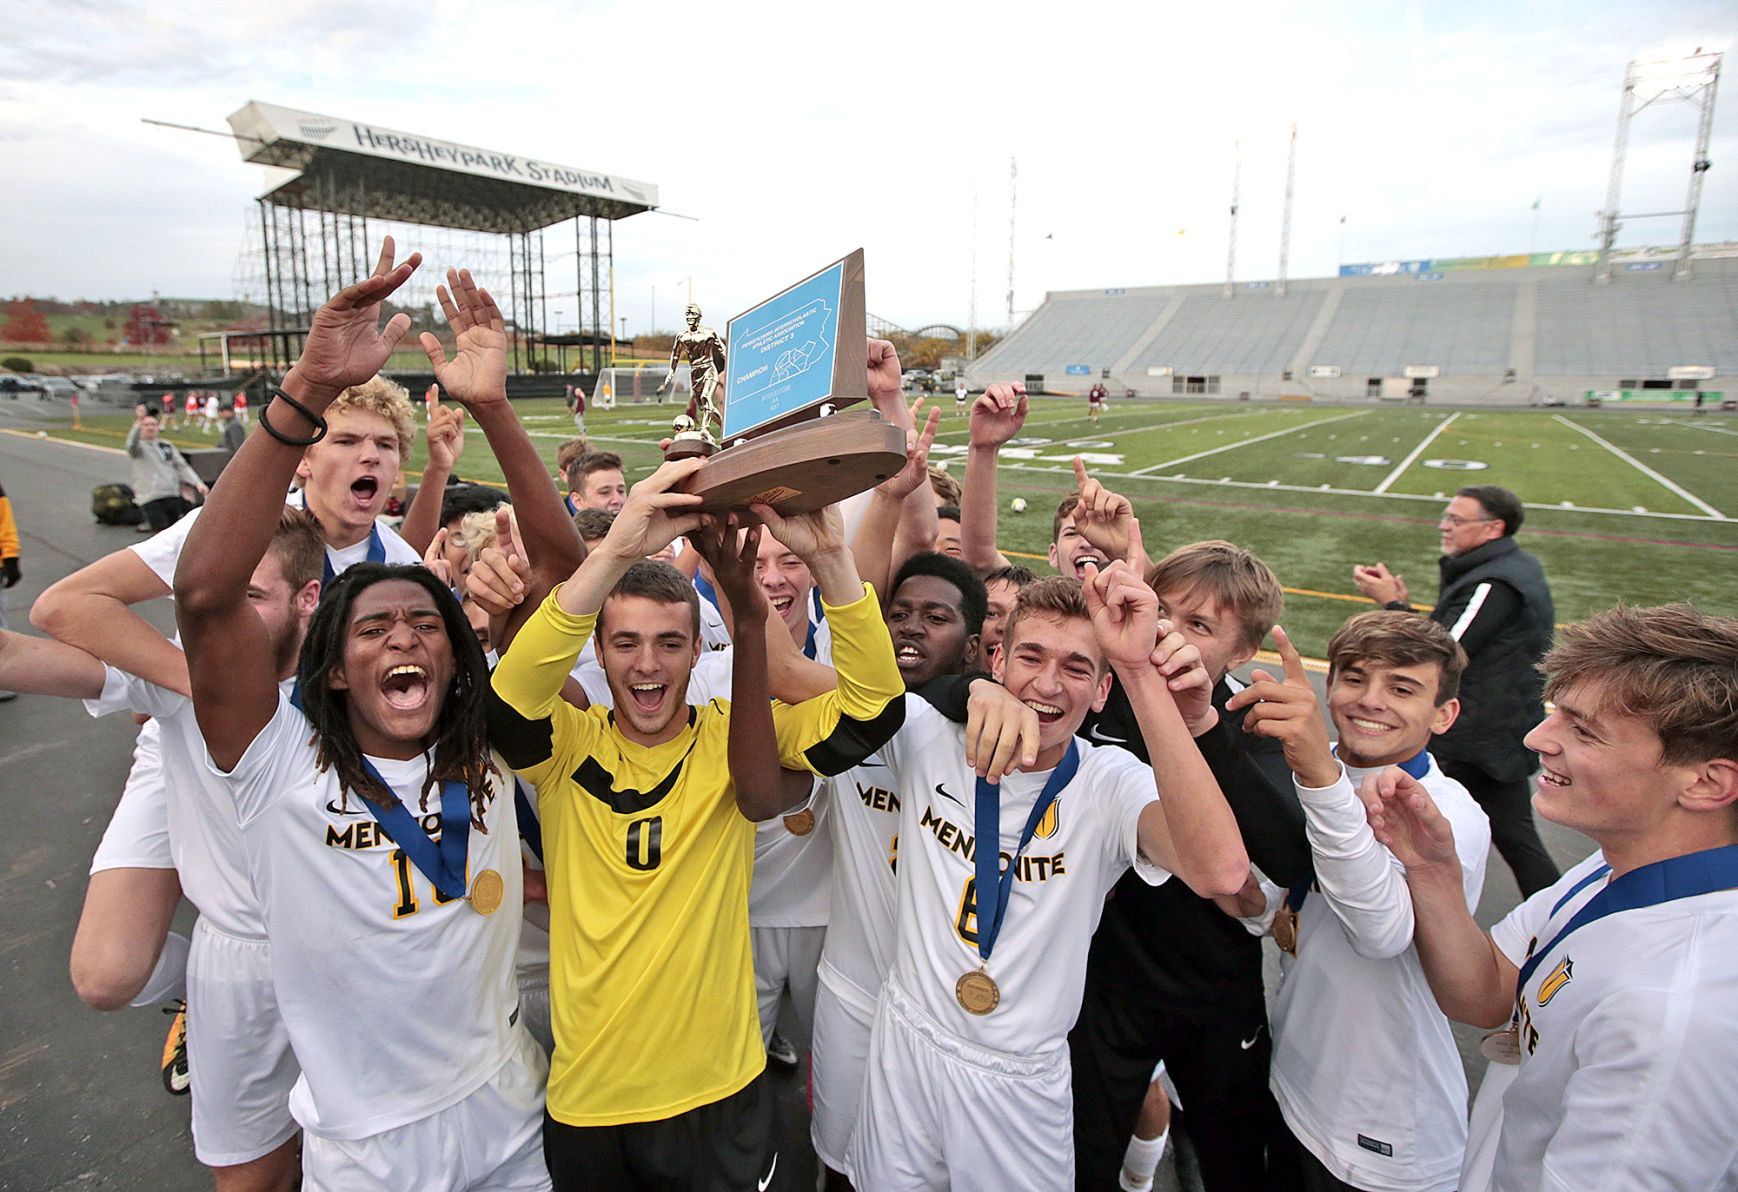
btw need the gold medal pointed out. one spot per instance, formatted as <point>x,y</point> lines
<point>800,823</point>
<point>977,992</point>
<point>1502,1047</point>
<point>486,892</point>
<point>1285,930</point>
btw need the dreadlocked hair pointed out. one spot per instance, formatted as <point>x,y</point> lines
<point>461,747</point>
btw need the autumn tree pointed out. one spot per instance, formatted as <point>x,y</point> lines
<point>25,324</point>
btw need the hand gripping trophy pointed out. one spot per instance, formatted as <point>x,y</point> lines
<point>704,348</point>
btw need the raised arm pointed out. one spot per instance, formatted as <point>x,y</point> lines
<point>1356,874</point>
<point>1103,519</point>
<point>1190,830</point>
<point>90,609</point>
<point>876,545</point>
<point>229,653</point>
<point>1472,980</point>
<point>753,744</point>
<point>445,435</point>
<point>916,526</point>
<point>41,666</point>
<point>997,416</point>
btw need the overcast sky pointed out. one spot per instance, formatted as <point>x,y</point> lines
<point>797,132</point>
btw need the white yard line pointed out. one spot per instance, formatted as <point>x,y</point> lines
<point>1291,430</point>
<point>1635,463</point>
<point>1417,451</point>
<point>1111,432</point>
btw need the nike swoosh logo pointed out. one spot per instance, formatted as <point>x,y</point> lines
<point>1246,1044</point>
<point>943,792</point>
<point>766,1181</point>
<point>332,806</point>
<point>1093,734</point>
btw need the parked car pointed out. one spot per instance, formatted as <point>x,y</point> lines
<point>59,389</point>
<point>13,387</point>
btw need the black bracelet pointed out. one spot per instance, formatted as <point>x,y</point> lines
<point>320,427</point>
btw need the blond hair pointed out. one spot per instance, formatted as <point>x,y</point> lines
<point>389,399</point>
<point>1058,596</point>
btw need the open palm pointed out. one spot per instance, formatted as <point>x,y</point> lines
<point>477,373</point>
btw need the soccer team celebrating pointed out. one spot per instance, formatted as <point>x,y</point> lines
<point>509,842</point>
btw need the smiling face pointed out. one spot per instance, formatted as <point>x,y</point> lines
<point>350,474</point>
<point>1465,524</point>
<point>786,581</point>
<point>1208,626</point>
<point>397,669</point>
<point>647,648</point>
<point>1601,770</point>
<point>1053,665</point>
<point>1385,714</point>
<point>928,629</point>
<point>1070,553</point>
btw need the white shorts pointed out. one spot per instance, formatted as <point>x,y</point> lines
<point>785,956</point>
<point>491,1140</point>
<point>138,833</point>
<point>238,1052</point>
<point>940,1112</point>
<point>840,1053</point>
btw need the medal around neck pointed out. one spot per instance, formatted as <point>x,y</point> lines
<point>1502,1047</point>
<point>977,992</point>
<point>791,364</point>
<point>486,892</point>
<point>800,823</point>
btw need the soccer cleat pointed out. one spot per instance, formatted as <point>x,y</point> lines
<point>175,1077</point>
<point>781,1053</point>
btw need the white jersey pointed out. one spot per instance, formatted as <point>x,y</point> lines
<point>791,872</point>
<point>398,1003</point>
<point>162,551</point>
<point>1365,1069</point>
<point>863,820</point>
<point>1629,1069</point>
<point>198,810</point>
<point>138,833</point>
<point>1081,847</point>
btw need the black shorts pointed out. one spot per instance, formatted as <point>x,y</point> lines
<point>730,1145</point>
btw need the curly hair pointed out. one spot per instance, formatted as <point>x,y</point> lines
<point>461,745</point>
<point>389,399</point>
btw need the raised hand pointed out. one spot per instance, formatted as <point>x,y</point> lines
<point>1286,710</point>
<point>477,373</point>
<point>1380,584</point>
<point>808,535</point>
<point>1125,611</point>
<point>998,413</point>
<point>1186,678</point>
<point>345,344</point>
<point>497,580</point>
<point>1103,517</point>
<point>729,552</point>
<point>1405,820</point>
<point>885,381</point>
<point>915,473</point>
<point>435,558</point>
<point>655,514</point>
<point>445,433</point>
<point>1001,731</point>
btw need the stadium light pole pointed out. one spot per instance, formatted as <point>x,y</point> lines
<point>1692,77</point>
<point>1231,246</point>
<point>1013,185</point>
<point>1285,223</point>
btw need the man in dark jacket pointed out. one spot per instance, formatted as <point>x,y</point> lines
<point>1495,601</point>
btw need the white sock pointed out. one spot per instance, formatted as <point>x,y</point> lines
<point>168,981</point>
<point>1141,1160</point>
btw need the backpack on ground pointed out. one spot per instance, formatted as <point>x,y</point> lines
<point>112,505</point>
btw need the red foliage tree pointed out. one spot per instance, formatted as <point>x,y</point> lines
<point>147,326</point>
<point>25,324</point>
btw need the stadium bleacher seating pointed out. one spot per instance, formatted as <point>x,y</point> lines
<point>1544,333</point>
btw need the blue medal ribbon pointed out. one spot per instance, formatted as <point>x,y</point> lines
<point>1650,885</point>
<point>376,554</point>
<point>988,855</point>
<point>443,863</point>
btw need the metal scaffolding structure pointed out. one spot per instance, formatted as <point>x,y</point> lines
<point>320,230</point>
<point>1692,78</point>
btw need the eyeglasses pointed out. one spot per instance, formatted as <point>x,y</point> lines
<point>1455,520</point>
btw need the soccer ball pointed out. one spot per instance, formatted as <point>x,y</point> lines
<point>1018,504</point>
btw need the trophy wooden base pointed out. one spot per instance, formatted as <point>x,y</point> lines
<point>801,468</point>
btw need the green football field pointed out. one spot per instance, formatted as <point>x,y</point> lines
<point>1622,504</point>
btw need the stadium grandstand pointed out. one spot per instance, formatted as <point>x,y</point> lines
<point>1522,330</point>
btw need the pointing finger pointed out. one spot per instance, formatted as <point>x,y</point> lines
<point>1079,473</point>
<point>1294,667</point>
